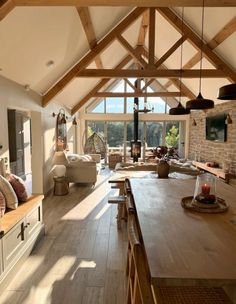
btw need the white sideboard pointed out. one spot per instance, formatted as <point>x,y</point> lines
<point>20,230</point>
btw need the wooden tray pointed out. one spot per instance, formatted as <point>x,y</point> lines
<point>218,207</point>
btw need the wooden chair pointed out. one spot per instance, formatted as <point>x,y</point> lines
<point>140,290</point>
<point>139,287</point>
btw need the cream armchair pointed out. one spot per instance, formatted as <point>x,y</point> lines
<point>79,168</point>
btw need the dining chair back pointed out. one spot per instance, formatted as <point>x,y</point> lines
<point>139,287</point>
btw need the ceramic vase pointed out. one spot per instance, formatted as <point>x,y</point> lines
<point>163,169</point>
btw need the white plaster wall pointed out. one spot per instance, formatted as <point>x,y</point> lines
<point>14,96</point>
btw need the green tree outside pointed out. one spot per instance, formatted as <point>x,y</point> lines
<point>172,137</point>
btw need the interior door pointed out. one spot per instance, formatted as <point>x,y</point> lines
<point>16,142</point>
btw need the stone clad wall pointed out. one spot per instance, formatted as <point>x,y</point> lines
<point>206,150</point>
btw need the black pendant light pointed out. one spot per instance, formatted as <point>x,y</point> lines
<point>228,92</point>
<point>180,110</point>
<point>200,103</point>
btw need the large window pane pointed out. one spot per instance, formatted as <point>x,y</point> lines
<point>115,135</point>
<point>99,108</point>
<point>119,87</point>
<point>157,103</point>
<point>154,134</point>
<point>95,126</point>
<point>114,105</point>
<point>129,105</point>
<point>172,134</point>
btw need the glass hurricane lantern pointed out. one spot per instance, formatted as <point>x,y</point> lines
<point>205,189</point>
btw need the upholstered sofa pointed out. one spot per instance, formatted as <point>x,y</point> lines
<point>79,168</point>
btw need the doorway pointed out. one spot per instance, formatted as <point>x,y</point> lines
<point>19,136</point>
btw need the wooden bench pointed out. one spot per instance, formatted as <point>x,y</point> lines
<point>120,200</point>
<point>20,230</point>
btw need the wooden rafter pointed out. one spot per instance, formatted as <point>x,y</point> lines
<point>150,73</point>
<point>89,32</point>
<point>104,43</point>
<point>185,90</point>
<point>143,28</point>
<point>133,52</point>
<point>160,61</point>
<point>195,40</point>
<point>130,84</point>
<point>170,51</point>
<point>5,7</point>
<point>131,3</point>
<point>137,94</point>
<point>101,84</point>
<point>151,37</point>
<point>223,34</point>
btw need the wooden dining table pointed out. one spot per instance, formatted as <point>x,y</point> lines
<point>183,247</point>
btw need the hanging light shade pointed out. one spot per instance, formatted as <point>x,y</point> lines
<point>179,110</point>
<point>200,103</point>
<point>228,92</point>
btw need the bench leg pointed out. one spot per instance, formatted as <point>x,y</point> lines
<point>121,214</point>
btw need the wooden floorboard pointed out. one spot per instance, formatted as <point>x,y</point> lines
<point>82,257</point>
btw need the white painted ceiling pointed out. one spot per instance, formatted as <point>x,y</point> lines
<point>32,36</point>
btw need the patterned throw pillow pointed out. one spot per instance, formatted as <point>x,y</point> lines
<point>19,187</point>
<point>9,193</point>
<point>2,204</point>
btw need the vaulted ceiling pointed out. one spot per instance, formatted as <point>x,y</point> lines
<point>71,54</point>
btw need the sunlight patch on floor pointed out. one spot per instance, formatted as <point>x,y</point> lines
<point>83,264</point>
<point>87,205</point>
<point>102,211</point>
<point>32,265</point>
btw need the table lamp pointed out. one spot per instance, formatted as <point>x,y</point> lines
<point>59,161</point>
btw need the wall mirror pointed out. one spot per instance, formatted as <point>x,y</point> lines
<point>61,132</point>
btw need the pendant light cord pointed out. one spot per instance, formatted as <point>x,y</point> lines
<point>200,73</point>
<point>181,56</point>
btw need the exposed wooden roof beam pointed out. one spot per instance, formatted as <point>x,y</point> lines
<point>194,39</point>
<point>101,84</point>
<point>104,43</point>
<point>185,90</point>
<point>137,94</point>
<point>130,84</point>
<point>132,3</point>
<point>223,34</point>
<point>89,32</point>
<point>150,73</point>
<point>143,28</point>
<point>133,52</point>
<point>160,61</point>
<point>5,7</point>
<point>151,37</point>
<point>170,51</point>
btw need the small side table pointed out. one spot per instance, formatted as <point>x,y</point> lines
<point>61,185</point>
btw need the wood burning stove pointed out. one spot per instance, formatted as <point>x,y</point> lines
<point>135,149</point>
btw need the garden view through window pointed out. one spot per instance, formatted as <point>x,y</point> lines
<point>117,134</point>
